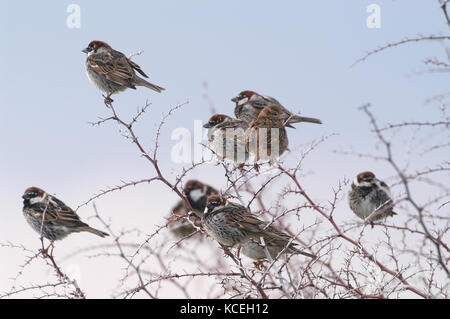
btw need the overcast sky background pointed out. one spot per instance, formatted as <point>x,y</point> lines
<point>299,52</point>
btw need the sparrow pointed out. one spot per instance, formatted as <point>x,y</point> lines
<point>226,137</point>
<point>50,217</point>
<point>197,193</point>
<point>249,104</point>
<point>266,137</point>
<point>181,227</point>
<point>368,194</point>
<point>233,224</point>
<point>111,71</point>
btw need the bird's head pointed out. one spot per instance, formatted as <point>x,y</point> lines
<point>243,97</point>
<point>274,112</point>
<point>95,46</point>
<point>214,201</point>
<point>365,179</point>
<point>193,185</point>
<point>33,195</point>
<point>216,119</point>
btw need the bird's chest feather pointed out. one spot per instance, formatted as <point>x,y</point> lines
<point>47,230</point>
<point>218,227</point>
<point>95,79</point>
<point>363,200</point>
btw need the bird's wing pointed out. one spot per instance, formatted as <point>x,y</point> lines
<point>256,228</point>
<point>260,102</point>
<point>113,65</point>
<point>137,68</point>
<point>386,188</point>
<point>240,217</point>
<point>233,128</point>
<point>56,212</point>
<point>235,123</point>
<point>270,101</point>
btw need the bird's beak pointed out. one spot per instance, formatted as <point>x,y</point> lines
<point>25,196</point>
<point>207,125</point>
<point>87,50</point>
<point>235,99</point>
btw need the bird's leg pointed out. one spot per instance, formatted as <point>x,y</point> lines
<point>108,100</point>
<point>53,247</point>
<point>238,252</point>
<point>44,251</point>
<point>259,264</point>
<point>256,167</point>
<point>241,167</point>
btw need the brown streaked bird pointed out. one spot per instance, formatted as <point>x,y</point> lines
<point>370,198</point>
<point>233,224</point>
<point>111,71</point>
<point>51,218</point>
<point>226,137</point>
<point>266,138</point>
<point>249,104</point>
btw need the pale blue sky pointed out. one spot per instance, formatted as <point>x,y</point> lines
<point>297,51</point>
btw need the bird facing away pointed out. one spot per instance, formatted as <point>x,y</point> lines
<point>249,104</point>
<point>233,224</point>
<point>226,137</point>
<point>266,138</point>
<point>197,193</point>
<point>369,195</point>
<point>50,217</point>
<point>111,71</point>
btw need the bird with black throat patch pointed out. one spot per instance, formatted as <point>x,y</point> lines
<point>51,218</point>
<point>232,224</point>
<point>369,198</point>
<point>197,193</point>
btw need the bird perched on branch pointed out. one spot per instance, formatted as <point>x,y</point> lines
<point>369,198</point>
<point>249,104</point>
<point>111,71</point>
<point>266,137</point>
<point>51,218</point>
<point>233,224</point>
<point>196,193</point>
<point>226,137</point>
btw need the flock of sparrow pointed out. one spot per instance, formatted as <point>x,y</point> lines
<point>229,223</point>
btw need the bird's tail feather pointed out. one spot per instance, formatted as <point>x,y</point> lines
<point>298,119</point>
<point>95,231</point>
<point>145,83</point>
<point>300,252</point>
